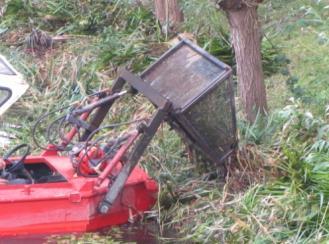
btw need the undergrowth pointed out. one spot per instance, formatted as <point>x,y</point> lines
<point>277,188</point>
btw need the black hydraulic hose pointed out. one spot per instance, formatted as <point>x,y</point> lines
<point>38,122</point>
<point>108,153</point>
<point>54,126</point>
<point>61,120</point>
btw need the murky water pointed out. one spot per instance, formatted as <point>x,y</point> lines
<point>130,233</point>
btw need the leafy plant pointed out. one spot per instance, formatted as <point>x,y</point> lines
<point>17,12</point>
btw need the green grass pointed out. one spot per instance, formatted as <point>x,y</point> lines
<point>278,191</point>
<point>301,28</point>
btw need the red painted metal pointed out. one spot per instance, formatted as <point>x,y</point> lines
<point>91,154</point>
<point>70,135</point>
<point>116,159</point>
<point>70,206</point>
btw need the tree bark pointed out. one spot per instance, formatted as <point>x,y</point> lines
<point>246,39</point>
<point>168,13</point>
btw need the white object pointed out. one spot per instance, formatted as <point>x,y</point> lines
<point>12,85</point>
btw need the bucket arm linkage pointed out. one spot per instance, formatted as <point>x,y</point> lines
<point>147,133</point>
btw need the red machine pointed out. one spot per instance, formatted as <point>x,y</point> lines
<point>84,185</point>
<point>67,202</point>
<point>87,178</point>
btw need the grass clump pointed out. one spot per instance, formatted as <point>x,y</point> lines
<point>288,203</point>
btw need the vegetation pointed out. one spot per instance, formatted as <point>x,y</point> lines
<point>277,189</point>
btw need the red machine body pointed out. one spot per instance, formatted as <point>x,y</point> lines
<point>93,153</point>
<point>78,192</point>
<point>98,182</point>
<point>71,204</point>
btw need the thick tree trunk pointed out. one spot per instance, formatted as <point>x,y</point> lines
<point>246,38</point>
<point>168,13</point>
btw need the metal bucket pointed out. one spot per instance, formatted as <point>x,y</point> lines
<point>199,86</point>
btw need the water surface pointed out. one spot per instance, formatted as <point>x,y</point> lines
<point>130,233</point>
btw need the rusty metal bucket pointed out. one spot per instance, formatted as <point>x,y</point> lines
<point>199,86</point>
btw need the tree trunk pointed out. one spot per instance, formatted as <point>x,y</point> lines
<point>168,13</point>
<point>246,39</point>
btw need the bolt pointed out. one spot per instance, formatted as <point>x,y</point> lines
<point>104,208</point>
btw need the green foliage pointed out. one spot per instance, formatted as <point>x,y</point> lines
<point>292,205</point>
<point>274,61</point>
<point>303,28</point>
<point>262,132</point>
<point>130,41</point>
<point>212,33</point>
<point>62,8</point>
<point>17,12</point>
<point>81,16</point>
<point>291,208</point>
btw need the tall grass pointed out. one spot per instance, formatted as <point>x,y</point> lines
<point>291,207</point>
<point>277,188</point>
